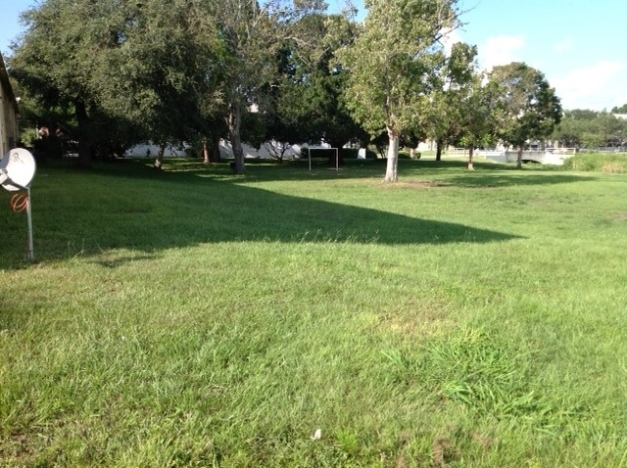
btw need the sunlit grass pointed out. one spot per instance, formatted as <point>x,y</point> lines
<point>194,318</point>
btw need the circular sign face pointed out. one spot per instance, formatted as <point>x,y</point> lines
<point>19,166</point>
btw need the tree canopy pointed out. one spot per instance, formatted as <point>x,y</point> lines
<point>391,64</point>
<point>590,129</point>
<point>531,109</point>
<point>308,103</point>
<point>119,64</point>
<point>442,110</point>
<point>620,110</point>
<point>119,72</point>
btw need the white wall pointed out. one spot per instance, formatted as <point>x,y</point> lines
<point>264,152</point>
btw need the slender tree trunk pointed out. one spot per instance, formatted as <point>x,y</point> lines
<point>84,147</point>
<point>159,160</point>
<point>205,152</point>
<point>519,157</point>
<point>391,174</point>
<point>235,127</point>
<point>471,150</point>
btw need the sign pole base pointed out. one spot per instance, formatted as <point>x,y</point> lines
<point>29,217</point>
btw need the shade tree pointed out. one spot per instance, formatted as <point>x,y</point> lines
<point>121,65</point>
<point>581,128</point>
<point>251,35</point>
<point>391,62</point>
<point>620,109</point>
<point>530,107</point>
<point>167,70</point>
<point>55,61</point>
<point>479,114</point>
<point>440,111</point>
<point>308,103</point>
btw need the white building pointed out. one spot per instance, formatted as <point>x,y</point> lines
<point>9,133</point>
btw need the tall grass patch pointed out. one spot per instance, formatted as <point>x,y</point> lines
<point>611,163</point>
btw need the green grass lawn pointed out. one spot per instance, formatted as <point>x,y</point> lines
<point>191,317</point>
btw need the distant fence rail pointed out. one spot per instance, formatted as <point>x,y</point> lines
<point>555,156</point>
<point>605,149</point>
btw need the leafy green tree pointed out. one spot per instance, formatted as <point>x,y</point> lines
<point>56,63</point>
<point>440,109</point>
<point>590,129</point>
<point>391,63</point>
<point>620,110</point>
<point>569,132</point>
<point>121,65</point>
<point>308,103</point>
<point>252,34</point>
<point>531,107</point>
<point>478,114</point>
<point>167,70</point>
<point>612,130</point>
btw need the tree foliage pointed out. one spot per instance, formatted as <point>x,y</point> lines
<point>478,115</point>
<point>120,64</point>
<point>589,129</point>
<point>167,69</point>
<point>531,109</point>
<point>57,63</point>
<point>440,112</point>
<point>252,35</point>
<point>620,110</point>
<point>194,70</point>
<point>391,64</point>
<point>308,102</point>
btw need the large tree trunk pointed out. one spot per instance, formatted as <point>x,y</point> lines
<point>84,146</point>
<point>159,160</point>
<point>215,149</point>
<point>519,157</point>
<point>438,150</point>
<point>235,127</point>
<point>391,174</point>
<point>471,150</point>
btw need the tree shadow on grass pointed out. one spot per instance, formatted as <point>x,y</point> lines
<point>486,174</point>
<point>91,213</point>
<point>454,172</point>
<point>490,180</point>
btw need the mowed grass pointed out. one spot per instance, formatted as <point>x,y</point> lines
<point>190,317</point>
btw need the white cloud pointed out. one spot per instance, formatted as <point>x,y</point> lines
<point>599,86</point>
<point>501,50</point>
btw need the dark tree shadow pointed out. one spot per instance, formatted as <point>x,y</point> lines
<point>454,172</point>
<point>487,180</point>
<point>162,210</point>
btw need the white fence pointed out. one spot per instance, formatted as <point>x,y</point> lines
<point>553,156</point>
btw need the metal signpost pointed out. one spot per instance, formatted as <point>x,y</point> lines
<point>17,169</point>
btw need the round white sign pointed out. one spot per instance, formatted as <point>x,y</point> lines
<point>17,168</point>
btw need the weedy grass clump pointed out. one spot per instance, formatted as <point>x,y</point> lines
<point>610,163</point>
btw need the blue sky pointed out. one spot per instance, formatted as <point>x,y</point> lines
<point>580,45</point>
